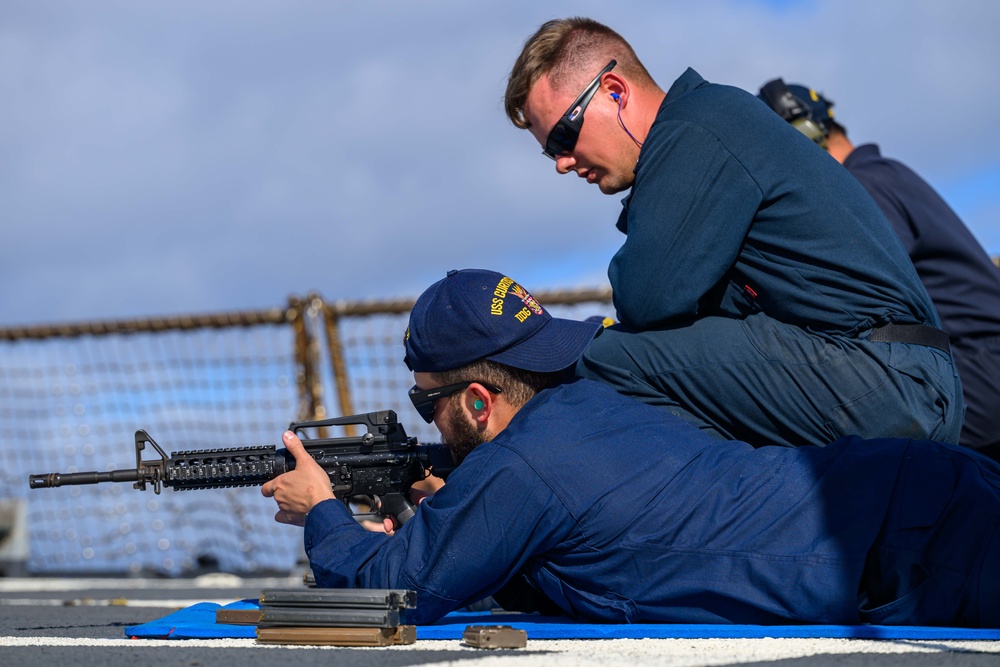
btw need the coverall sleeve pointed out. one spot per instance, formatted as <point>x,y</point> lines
<point>461,545</point>
<point>690,210</point>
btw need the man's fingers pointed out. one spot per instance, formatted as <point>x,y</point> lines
<point>294,445</point>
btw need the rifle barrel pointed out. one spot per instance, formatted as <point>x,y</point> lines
<point>69,478</point>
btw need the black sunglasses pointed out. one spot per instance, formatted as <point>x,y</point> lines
<point>562,138</point>
<point>423,399</point>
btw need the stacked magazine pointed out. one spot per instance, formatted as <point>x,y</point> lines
<point>336,616</point>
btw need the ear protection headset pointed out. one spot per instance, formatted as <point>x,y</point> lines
<point>777,95</point>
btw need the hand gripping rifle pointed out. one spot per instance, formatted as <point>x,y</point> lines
<point>382,464</point>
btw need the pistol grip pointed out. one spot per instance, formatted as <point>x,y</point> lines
<point>398,506</point>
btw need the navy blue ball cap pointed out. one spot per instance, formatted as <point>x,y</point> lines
<point>475,314</point>
<point>821,107</point>
<point>793,101</point>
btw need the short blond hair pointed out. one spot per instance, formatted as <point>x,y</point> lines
<point>570,52</point>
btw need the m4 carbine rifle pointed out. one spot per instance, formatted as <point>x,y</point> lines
<point>381,464</point>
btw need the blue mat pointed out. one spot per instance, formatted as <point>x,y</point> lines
<point>198,622</point>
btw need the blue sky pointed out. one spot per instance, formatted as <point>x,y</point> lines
<point>197,156</point>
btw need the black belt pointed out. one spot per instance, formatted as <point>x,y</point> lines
<point>917,334</point>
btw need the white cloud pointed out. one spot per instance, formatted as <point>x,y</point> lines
<point>193,156</point>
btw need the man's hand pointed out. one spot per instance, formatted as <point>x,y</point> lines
<point>425,488</point>
<point>300,490</point>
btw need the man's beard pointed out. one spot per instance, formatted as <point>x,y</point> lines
<point>462,436</point>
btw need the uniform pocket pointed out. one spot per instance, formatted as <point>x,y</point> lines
<point>907,401</point>
<point>901,611</point>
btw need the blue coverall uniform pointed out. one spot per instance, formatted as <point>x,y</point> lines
<point>754,271</point>
<point>959,276</point>
<point>620,512</point>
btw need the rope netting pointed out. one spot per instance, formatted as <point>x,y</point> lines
<point>71,399</point>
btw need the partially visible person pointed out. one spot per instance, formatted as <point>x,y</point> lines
<point>572,498</point>
<point>763,300</point>
<point>960,277</point>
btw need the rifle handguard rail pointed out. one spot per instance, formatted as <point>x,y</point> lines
<point>383,463</point>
